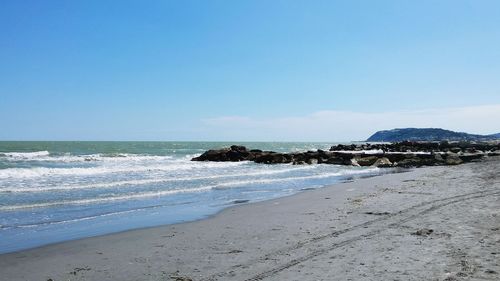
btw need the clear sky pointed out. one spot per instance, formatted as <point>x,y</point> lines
<point>246,70</point>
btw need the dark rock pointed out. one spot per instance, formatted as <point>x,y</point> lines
<point>264,157</point>
<point>452,159</point>
<point>342,147</point>
<point>470,157</point>
<point>366,160</point>
<point>238,148</point>
<point>334,161</point>
<point>409,162</point>
<point>268,157</point>
<point>439,159</point>
<point>213,155</point>
<point>278,158</point>
<point>234,153</point>
<point>394,158</point>
<point>346,157</point>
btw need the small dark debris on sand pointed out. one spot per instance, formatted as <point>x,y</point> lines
<point>235,252</point>
<point>423,232</point>
<point>377,213</point>
<point>240,201</point>
<point>78,269</point>
<point>180,278</point>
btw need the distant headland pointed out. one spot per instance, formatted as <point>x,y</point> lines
<point>427,134</point>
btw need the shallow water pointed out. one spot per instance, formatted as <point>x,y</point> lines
<point>57,191</point>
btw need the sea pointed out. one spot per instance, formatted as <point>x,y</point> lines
<point>57,191</point>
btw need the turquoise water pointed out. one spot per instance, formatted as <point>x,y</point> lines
<point>57,191</point>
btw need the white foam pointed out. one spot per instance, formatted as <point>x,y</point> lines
<point>371,151</point>
<point>79,219</point>
<point>148,181</point>
<point>379,151</point>
<point>44,156</point>
<point>18,173</point>
<point>219,186</point>
<point>25,155</point>
<point>410,152</point>
<point>317,176</point>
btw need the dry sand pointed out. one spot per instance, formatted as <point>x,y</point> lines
<point>435,223</point>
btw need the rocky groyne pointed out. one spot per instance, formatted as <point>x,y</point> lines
<point>400,154</point>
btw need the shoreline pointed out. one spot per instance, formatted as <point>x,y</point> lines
<point>236,243</point>
<point>234,204</point>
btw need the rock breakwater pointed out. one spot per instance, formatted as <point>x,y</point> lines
<point>401,154</point>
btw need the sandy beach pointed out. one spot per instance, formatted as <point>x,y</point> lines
<point>249,140</point>
<point>433,223</point>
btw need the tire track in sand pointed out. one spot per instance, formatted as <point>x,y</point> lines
<point>314,247</point>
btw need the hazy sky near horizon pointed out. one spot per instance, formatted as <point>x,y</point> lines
<point>246,70</point>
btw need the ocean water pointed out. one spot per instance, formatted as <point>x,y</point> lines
<point>58,191</point>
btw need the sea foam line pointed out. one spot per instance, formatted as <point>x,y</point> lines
<point>45,156</point>
<point>144,181</point>
<point>176,191</point>
<point>105,199</point>
<point>25,155</point>
<point>17,173</point>
<point>88,217</point>
<point>318,176</point>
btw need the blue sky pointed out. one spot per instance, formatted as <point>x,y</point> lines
<point>233,70</point>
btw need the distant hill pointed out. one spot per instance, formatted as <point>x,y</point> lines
<point>427,134</point>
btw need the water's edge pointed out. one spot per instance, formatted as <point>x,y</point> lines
<point>209,216</point>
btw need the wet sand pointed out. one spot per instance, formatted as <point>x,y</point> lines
<point>434,223</point>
